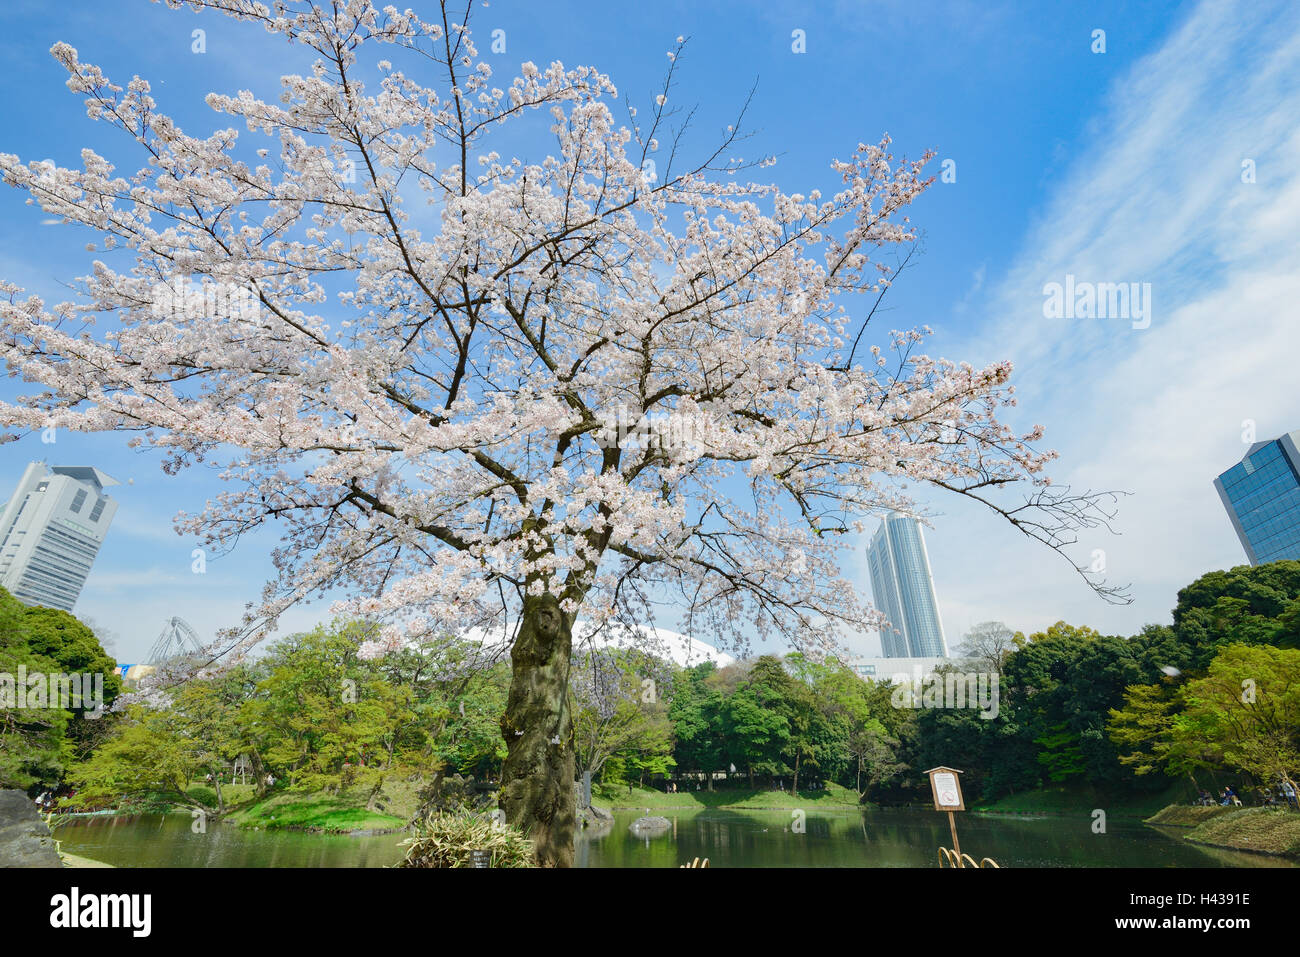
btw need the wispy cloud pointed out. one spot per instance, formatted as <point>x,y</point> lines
<point>1158,195</point>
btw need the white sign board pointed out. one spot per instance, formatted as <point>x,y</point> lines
<point>945,789</point>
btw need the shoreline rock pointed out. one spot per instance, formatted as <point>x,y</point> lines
<point>25,839</point>
<point>594,817</point>
<point>650,826</point>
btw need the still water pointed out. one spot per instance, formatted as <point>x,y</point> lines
<point>851,838</point>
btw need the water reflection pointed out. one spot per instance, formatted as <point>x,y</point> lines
<point>871,838</point>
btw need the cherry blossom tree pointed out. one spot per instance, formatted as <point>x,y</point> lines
<point>479,392</point>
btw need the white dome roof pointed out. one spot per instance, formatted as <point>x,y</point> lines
<point>683,650</point>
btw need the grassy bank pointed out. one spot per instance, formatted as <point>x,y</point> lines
<point>1083,800</point>
<point>1264,830</point>
<point>161,802</point>
<point>345,811</point>
<point>619,796</point>
<point>1185,815</point>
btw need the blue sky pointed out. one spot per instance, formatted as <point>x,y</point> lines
<point>1112,167</point>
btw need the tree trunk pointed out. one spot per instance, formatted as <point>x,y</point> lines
<point>795,788</point>
<point>374,795</point>
<point>537,777</point>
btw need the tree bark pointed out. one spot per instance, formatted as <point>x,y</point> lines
<point>537,777</point>
<point>374,795</point>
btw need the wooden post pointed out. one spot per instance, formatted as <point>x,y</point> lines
<point>946,789</point>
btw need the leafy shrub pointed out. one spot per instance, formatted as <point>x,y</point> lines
<point>203,794</point>
<point>450,840</point>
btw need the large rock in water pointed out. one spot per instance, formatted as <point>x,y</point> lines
<point>650,826</point>
<point>25,841</point>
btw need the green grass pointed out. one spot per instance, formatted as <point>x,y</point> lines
<point>345,811</point>
<point>313,812</point>
<point>1185,815</point>
<point>1083,798</point>
<point>1263,829</point>
<point>618,796</point>
<point>233,794</point>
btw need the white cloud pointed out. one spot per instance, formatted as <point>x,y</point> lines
<point>1157,196</point>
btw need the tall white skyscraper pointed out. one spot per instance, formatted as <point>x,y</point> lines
<point>903,588</point>
<point>50,533</point>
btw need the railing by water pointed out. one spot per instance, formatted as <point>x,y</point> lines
<point>951,858</point>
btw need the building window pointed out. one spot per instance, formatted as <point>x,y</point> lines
<point>78,500</point>
<point>98,510</point>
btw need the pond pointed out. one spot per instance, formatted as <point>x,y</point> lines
<point>850,838</point>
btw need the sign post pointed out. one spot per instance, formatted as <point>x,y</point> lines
<point>947,797</point>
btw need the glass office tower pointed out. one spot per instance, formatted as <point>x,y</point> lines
<point>903,588</point>
<point>1262,496</point>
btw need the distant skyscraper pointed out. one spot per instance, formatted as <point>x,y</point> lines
<point>50,533</point>
<point>1262,496</point>
<point>904,590</point>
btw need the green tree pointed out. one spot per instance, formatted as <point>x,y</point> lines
<point>1062,684</point>
<point>468,738</point>
<point>150,754</point>
<point>819,730</point>
<point>34,745</point>
<point>160,751</point>
<point>756,721</point>
<point>37,744</point>
<point>327,720</point>
<point>1248,604</point>
<point>57,635</point>
<point>696,712</point>
<point>621,727</point>
<point>1245,712</point>
<point>1142,729</point>
<point>1060,753</point>
<point>869,754</point>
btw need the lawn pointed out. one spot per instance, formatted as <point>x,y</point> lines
<point>345,811</point>
<point>1267,830</point>
<point>1084,799</point>
<point>620,796</point>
